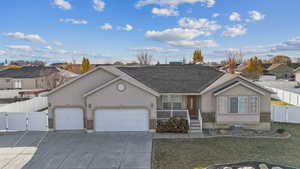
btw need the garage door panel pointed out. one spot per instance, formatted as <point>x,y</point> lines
<point>121,120</point>
<point>68,119</point>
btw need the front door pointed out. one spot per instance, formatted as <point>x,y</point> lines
<point>192,104</point>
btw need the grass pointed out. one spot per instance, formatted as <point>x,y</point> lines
<point>279,102</point>
<point>200,153</point>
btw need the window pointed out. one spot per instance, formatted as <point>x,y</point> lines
<point>243,104</point>
<point>234,102</point>
<point>172,102</point>
<point>222,104</point>
<point>238,104</point>
<point>18,84</point>
<point>253,104</point>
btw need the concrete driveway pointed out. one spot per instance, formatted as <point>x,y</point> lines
<point>41,150</point>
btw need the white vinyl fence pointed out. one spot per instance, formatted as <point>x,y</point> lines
<point>19,121</point>
<point>32,105</point>
<point>286,114</point>
<point>286,96</point>
<point>6,94</point>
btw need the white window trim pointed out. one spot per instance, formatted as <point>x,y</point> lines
<point>238,113</point>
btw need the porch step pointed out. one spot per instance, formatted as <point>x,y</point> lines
<point>195,131</point>
<point>195,126</point>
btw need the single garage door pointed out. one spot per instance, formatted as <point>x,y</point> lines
<point>68,119</point>
<point>121,120</point>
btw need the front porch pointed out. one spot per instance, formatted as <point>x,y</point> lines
<point>183,107</point>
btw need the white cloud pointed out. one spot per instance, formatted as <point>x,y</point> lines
<point>73,21</point>
<point>57,43</point>
<point>153,49</point>
<point>63,4</point>
<point>2,52</point>
<point>25,48</point>
<point>174,34</point>
<point>98,5</point>
<point>180,37</point>
<point>106,26</point>
<point>174,3</point>
<point>194,43</point>
<point>165,12</point>
<point>234,31</point>
<point>215,15</point>
<point>201,24</point>
<point>234,16</point>
<point>127,28</point>
<point>49,47</point>
<point>29,37</point>
<point>255,16</point>
<point>289,45</point>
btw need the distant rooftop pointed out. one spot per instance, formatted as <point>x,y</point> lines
<point>28,72</point>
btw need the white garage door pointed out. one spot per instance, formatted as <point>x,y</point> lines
<point>121,120</point>
<point>68,119</point>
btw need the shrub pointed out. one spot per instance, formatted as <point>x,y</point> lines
<point>173,125</point>
<point>280,131</point>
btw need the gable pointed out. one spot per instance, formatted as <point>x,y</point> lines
<point>71,93</point>
<point>111,91</point>
<point>239,89</point>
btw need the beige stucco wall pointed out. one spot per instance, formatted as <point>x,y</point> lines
<point>27,83</point>
<point>209,105</point>
<point>72,95</point>
<point>209,100</point>
<point>110,97</point>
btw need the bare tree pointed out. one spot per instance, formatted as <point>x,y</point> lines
<point>236,54</point>
<point>144,58</point>
<point>55,79</point>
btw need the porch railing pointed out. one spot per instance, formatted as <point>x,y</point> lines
<point>200,119</point>
<point>166,114</point>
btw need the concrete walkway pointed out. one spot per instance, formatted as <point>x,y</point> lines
<point>75,150</point>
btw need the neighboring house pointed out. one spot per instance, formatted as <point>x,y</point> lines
<point>297,74</point>
<point>32,77</point>
<point>281,70</point>
<point>133,99</point>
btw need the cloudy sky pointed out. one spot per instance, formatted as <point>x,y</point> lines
<point>111,30</point>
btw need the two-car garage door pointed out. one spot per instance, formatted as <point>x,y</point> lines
<point>104,119</point>
<point>121,120</point>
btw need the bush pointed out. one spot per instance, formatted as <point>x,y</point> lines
<point>173,125</point>
<point>280,131</point>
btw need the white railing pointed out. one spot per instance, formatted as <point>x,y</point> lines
<point>9,94</point>
<point>188,117</point>
<point>166,114</point>
<point>32,105</point>
<point>200,119</point>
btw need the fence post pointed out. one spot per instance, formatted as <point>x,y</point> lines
<point>286,114</point>
<point>6,121</point>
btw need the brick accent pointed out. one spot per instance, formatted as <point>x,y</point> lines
<point>153,124</point>
<point>265,117</point>
<point>208,117</point>
<point>90,124</point>
<point>50,123</point>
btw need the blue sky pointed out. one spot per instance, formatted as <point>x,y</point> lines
<point>111,30</point>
